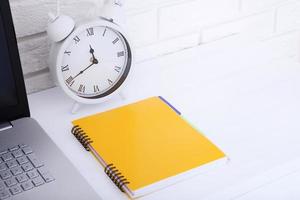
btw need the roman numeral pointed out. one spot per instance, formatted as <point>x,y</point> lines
<point>70,81</point>
<point>64,68</point>
<point>68,53</point>
<point>104,32</point>
<point>81,88</point>
<point>121,53</point>
<point>90,31</point>
<point>118,69</point>
<point>110,81</point>
<point>96,88</point>
<point>76,39</point>
<point>115,41</point>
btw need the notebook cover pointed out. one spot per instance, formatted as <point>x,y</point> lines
<point>148,141</point>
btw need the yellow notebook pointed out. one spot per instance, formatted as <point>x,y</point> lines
<point>146,146</point>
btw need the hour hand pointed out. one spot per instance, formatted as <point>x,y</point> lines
<point>92,52</point>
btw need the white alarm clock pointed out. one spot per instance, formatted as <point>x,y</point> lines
<point>90,61</point>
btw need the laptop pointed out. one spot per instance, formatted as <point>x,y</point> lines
<point>31,165</point>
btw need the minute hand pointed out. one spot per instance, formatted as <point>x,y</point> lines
<point>81,72</point>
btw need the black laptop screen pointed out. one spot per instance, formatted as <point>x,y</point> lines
<point>8,94</point>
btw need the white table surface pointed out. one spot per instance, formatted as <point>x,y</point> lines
<point>242,95</point>
<point>285,188</point>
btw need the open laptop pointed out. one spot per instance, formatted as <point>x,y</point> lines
<point>31,165</point>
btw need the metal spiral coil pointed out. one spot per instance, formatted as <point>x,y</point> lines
<point>116,176</point>
<point>81,137</point>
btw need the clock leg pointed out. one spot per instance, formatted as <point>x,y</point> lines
<point>75,107</point>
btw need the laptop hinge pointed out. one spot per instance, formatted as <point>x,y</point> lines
<point>5,126</point>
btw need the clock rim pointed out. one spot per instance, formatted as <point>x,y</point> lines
<point>117,87</point>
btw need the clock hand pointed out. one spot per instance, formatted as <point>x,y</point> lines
<point>92,52</point>
<point>95,61</point>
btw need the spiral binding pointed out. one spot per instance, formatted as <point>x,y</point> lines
<point>112,172</point>
<point>81,137</point>
<point>116,176</point>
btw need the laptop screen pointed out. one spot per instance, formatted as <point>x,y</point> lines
<point>8,94</point>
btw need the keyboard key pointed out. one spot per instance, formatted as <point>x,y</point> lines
<point>11,182</point>
<point>15,190</point>
<point>2,186</point>
<point>23,145</point>
<point>13,148</point>
<point>27,150</point>
<point>32,174</point>
<point>48,177</point>
<point>27,167</point>
<point>34,160</point>
<point>4,194</point>
<point>5,175</point>
<point>38,181</point>
<point>16,170</point>
<point>11,163</point>
<point>22,160</point>
<point>3,151</point>
<point>3,167</point>
<point>18,153</point>
<point>27,185</point>
<point>22,178</point>
<point>7,157</point>
<point>43,170</point>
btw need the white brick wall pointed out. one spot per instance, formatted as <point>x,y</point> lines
<point>190,16</point>
<point>159,27</point>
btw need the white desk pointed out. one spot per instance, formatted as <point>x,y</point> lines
<point>243,96</point>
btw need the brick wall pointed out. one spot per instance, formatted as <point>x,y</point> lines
<point>158,27</point>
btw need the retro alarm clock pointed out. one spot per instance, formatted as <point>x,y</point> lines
<point>90,61</point>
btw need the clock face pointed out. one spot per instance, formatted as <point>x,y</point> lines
<point>95,62</point>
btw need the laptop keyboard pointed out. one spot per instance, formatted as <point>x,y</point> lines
<point>21,170</point>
